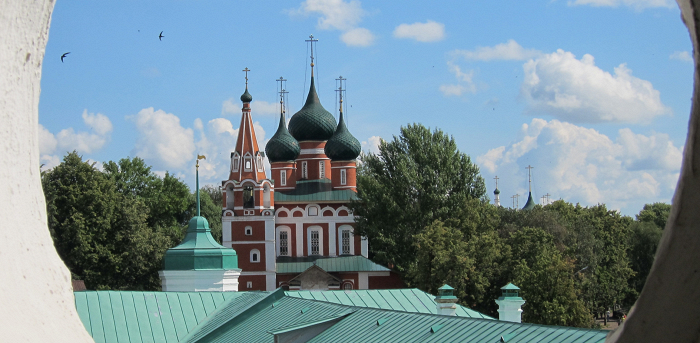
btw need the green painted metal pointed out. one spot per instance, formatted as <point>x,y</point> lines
<point>305,325</point>
<point>312,122</point>
<point>343,146</point>
<point>405,300</point>
<point>314,191</point>
<point>511,286</point>
<point>510,291</point>
<point>246,97</point>
<point>140,317</point>
<point>530,204</point>
<point>282,146</point>
<point>329,264</point>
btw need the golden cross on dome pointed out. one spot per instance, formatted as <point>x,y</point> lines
<point>311,40</point>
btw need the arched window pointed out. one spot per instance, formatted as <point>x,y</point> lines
<point>229,197</point>
<point>284,243</point>
<point>347,286</point>
<point>346,236</point>
<point>248,230</point>
<point>255,256</point>
<point>247,163</point>
<point>322,169</point>
<point>343,179</point>
<point>260,164</point>
<point>266,195</point>
<point>248,198</point>
<point>315,242</point>
<point>283,177</point>
<point>235,161</point>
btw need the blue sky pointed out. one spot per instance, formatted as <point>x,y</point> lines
<point>594,94</point>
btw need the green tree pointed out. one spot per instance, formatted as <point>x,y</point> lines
<point>643,240</point>
<point>208,209</point>
<point>100,233</point>
<point>656,213</point>
<point>415,179</point>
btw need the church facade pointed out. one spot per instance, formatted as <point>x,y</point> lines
<point>295,229</point>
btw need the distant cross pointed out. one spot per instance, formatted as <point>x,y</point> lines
<point>246,70</point>
<point>529,179</point>
<point>547,195</point>
<point>517,201</point>
<point>282,92</point>
<point>496,178</point>
<point>312,40</point>
<point>543,200</point>
<point>340,90</point>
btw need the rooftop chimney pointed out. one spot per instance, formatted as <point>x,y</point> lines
<point>509,304</point>
<point>446,301</point>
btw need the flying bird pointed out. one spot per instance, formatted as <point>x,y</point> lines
<point>160,36</point>
<point>64,55</point>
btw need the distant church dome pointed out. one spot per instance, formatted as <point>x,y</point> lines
<point>343,146</point>
<point>282,146</point>
<point>496,191</point>
<point>312,122</point>
<point>246,97</point>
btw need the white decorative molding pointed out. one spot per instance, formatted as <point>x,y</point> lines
<point>316,151</point>
<point>200,280</point>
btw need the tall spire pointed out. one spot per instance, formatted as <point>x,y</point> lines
<point>496,193</point>
<point>199,157</point>
<point>530,204</point>
<point>311,41</point>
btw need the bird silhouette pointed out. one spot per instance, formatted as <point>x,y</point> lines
<point>64,55</point>
<point>160,36</point>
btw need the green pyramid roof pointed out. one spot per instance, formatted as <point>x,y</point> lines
<point>312,122</point>
<point>282,146</point>
<point>343,146</point>
<point>199,250</point>
<point>530,204</point>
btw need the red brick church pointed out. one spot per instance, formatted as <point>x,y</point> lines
<point>295,230</point>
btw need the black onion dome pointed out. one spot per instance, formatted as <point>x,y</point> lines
<point>312,122</point>
<point>246,97</point>
<point>343,146</point>
<point>496,191</point>
<point>282,146</point>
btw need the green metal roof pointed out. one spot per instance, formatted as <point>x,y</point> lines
<point>314,191</point>
<point>361,326</point>
<point>530,204</point>
<point>246,97</point>
<point>126,316</point>
<point>406,300</point>
<point>343,146</point>
<point>294,265</point>
<point>282,146</point>
<point>312,122</point>
<point>510,286</point>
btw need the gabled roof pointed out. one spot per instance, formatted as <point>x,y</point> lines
<point>293,265</point>
<point>314,191</point>
<point>405,300</point>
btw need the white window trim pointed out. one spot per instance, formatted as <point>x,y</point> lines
<point>248,162</point>
<point>322,169</point>
<point>320,240</point>
<point>340,239</point>
<point>235,162</point>
<point>289,240</point>
<point>230,198</point>
<point>283,177</point>
<point>260,164</point>
<point>252,252</point>
<point>266,196</point>
<point>313,209</point>
<point>248,229</point>
<point>304,170</point>
<point>249,284</point>
<point>343,177</point>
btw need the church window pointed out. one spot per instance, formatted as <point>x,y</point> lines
<point>347,286</point>
<point>249,284</point>
<point>229,197</point>
<point>304,170</point>
<point>247,163</point>
<point>283,177</point>
<point>255,255</point>
<point>313,211</point>
<point>248,198</point>
<point>284,243</point>
<point>322,169</point>
<point>248,231</point>
<point>315,243</point>
<point>342,177</point>
<point>260,163</point>
<point>345,248</point>
<point>235,160</point>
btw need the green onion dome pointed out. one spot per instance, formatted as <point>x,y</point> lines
<point>246,97</point>
<point>282,146</point>
<point>343,146</point>
<point>496,191</point>
<point>312,122</point>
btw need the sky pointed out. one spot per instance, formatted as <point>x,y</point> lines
<point>593,94</point>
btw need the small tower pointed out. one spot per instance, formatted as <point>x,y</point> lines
<point>199,263</point>
<point>343,149</point>
<point>496,193</point>
<point>509,304</point>
<point>248,223</point>
<point>530,204</point>
<point>446,301</point>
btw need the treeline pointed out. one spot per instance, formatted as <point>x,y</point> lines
<point>425,212</point>
<point>112,227</point>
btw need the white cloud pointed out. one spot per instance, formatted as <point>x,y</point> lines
<point>429,31</point>
<point>339,15</point>
<point>578,91</point>
<point>97,122</point>
<point>582,165</point>
<point>636,4</point>
<point>681,56</point>
<point>372,144</point>
<point>163,142</point>
<point>47,141</point>
<point>230,107</point>
<point>464,79</point>
<point>264,108</point>
<point>68,140</point>
<point>358,37</point>
<point>509,51</point>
